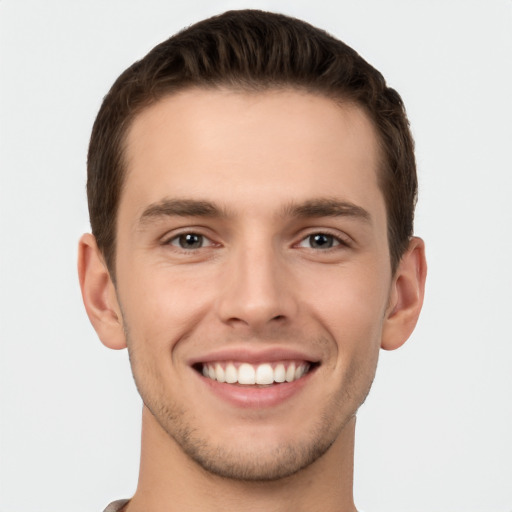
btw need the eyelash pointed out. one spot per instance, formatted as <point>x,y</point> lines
<point>333,241</point>
<point>182,236</point>
<point>336,241</point>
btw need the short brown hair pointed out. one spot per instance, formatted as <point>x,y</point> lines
<point>251,50</point>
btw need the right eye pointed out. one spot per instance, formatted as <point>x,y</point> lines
<point>320,241</point>
<point>190,241</point>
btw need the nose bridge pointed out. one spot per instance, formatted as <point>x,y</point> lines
<point>255,290</point>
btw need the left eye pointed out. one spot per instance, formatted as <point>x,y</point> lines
<point>190,241</point>
<point>319,241</point>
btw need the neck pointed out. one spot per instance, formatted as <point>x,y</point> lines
<point>170,481</point>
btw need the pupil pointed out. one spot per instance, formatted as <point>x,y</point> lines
<point>191,241</point>
<point>321,241</point>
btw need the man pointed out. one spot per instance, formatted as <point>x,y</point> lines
<point>251,187</point>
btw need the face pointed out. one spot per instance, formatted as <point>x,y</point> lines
<point>253,274</point>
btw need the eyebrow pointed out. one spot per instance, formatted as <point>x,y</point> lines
<point>326,207</point>
<point>180,208</point>
<point>320,207</point>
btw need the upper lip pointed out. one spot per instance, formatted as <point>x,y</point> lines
<point>255,356</point>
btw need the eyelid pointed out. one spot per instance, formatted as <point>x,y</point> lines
<point>206,242</point>
<point>168,238</point>
<point>342,239</point>
<point>305,240</point>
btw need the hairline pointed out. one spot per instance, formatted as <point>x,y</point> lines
<point>339,98</point>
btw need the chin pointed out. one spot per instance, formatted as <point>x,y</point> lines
<point>280,463</point>
<point>262,461</point>
<point>261,455</point>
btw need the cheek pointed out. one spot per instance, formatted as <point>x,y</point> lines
<point>162,307</point>
<point>352,313</point>
<point>351,307</point>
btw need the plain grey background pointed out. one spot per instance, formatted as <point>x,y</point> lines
<point>435,434</point>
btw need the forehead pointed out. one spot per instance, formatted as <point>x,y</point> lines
<point>259,148</point>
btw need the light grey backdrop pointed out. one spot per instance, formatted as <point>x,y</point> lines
<point>435,434</point>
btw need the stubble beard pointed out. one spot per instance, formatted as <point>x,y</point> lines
<point>246,464</point>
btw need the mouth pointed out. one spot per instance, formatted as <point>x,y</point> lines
<point>256,375</point>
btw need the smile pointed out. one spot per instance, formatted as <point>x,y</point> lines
<point>247,374</point>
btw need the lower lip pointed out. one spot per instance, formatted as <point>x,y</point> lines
<point>256,397</point>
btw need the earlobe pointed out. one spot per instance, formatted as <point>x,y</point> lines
<point>98,294</point>
<point>406,296</point>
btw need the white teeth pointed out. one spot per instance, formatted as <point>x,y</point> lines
<point>219,373</point>
<point>290,373</point>
<point>248,374</point>
<point>264,374</point>
<point>231,374</point>
<point>280,373</point>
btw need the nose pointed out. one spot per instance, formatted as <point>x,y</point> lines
<point>256,289</point>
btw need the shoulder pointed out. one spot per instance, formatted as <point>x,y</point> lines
<point>116,506</point>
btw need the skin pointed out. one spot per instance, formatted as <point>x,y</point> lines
<point>274,169</point>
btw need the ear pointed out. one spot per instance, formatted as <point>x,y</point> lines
<point>99,294</point>
<point>406,296</point>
